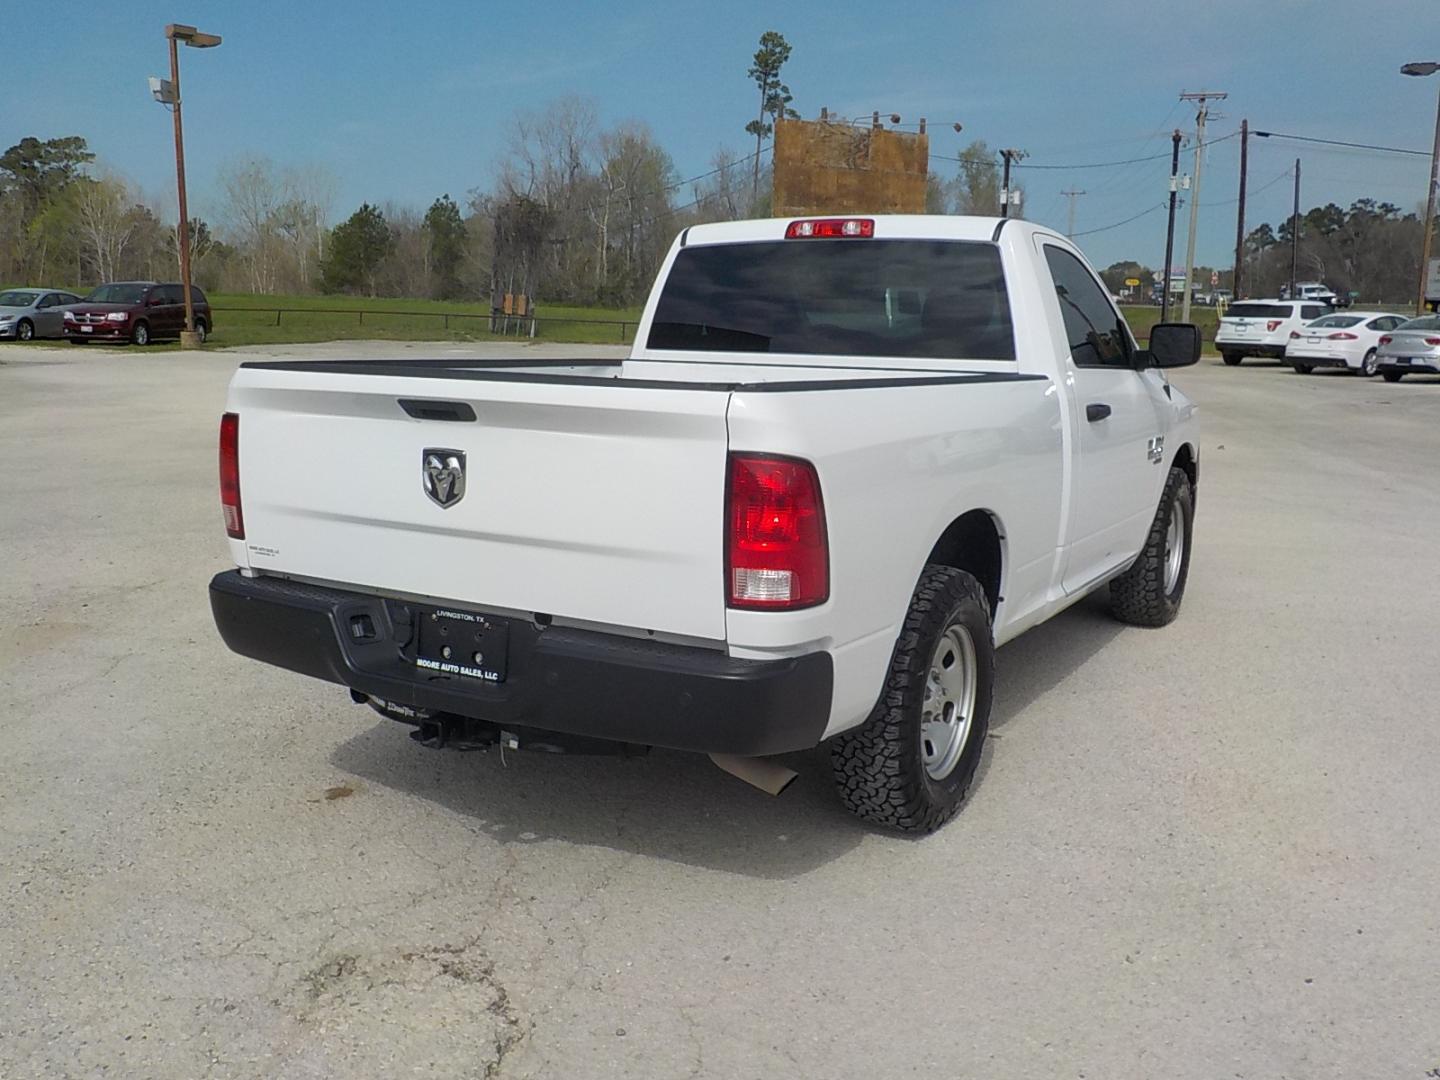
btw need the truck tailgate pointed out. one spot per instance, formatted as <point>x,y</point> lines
<point>599,503</point>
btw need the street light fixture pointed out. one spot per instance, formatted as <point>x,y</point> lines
<point>1422,69</point>
<point>167,92</point>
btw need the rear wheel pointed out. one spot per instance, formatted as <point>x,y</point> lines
<point>910,764</point>
<point>1232,358</point>
<point>1149,593</point>
<point>141,334</point>
<point>24,330</point>
<point>1392,376</point>
<point>201,330</point>
<point>1302,369</point>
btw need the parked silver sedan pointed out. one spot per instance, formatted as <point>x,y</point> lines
<point>1412,346</point>
<point>33,313</point>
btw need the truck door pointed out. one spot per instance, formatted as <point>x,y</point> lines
<point>1119,456</point>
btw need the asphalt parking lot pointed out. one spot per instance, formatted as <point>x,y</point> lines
<point>1206,851</point>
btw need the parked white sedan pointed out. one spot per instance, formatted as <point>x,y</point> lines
<point>1350,340</point>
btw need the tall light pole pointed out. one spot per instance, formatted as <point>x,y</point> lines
<point>1428,69</point>
<point>168,93</point>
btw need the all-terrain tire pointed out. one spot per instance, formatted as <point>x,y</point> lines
<point>1147,594</point>
<point>880,766</point>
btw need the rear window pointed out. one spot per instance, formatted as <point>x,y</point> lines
<point>1337,321</point>
<point>1425,322</point>
<point>900,298</point>
<point>1258,311</point>
<point>1312,311</point>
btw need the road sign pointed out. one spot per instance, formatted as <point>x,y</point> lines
<point>1214,278</point>
<point>1432,281</point>
<point>1131,282</point>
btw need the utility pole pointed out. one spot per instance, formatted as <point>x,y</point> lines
<point>1010,156</point>
<point>1072,196</point>
<point>1202,98</point>
<point>1295,235</point>
<point>1170,229</point>
<point>1240,218</point>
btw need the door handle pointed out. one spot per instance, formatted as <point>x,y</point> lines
<point>1096,410</point>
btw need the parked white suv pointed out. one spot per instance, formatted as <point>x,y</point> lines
<point>1263,327</point>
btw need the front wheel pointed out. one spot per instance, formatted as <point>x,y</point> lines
<point>910,764</point>
<point>1392,376</point>
<point>25,330</point>
<point>1367,366</point>
<point>1302,369</point>
<point>141,334</point>
<point>1149,593</point>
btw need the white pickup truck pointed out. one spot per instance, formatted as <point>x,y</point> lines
<point>846,459</point>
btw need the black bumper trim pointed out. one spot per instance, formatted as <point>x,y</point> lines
<point>579,682</point>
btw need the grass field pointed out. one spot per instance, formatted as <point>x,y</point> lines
<point>246,319</point>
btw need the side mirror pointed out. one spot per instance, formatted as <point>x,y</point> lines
<point>1173,345</point>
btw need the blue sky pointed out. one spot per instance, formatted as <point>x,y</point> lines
<point>404,102</point>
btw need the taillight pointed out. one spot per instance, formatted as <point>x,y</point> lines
<point>230,475</point>
<point>1432,341</point>
<point>830,228</point>
<point>1273,325</point>
<point>1344,335</point>
<point>776,552</point>
<point>1294,334</point>
<point>1385,339</point>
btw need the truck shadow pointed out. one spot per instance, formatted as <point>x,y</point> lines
<point>680,807</point>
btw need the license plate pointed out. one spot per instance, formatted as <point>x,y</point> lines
<point>1313,340</point>
<point>1402,360</point>
<point>87,329</point>
<point>463,644</point>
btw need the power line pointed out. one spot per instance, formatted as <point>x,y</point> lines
<point>1091,164</point>
<point>1338,142</point>
<point>1127,221</point>
<point>1289,170</point>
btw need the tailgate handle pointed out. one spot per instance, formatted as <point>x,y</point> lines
<point>422,409</point>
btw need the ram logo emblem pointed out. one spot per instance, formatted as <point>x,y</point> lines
<point>443,474</point>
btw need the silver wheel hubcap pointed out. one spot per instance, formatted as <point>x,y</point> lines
<point>1367,366</point>
<point>949,709</point>
<point>1174,547</point>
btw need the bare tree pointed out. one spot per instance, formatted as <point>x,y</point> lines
<point>106,222</point>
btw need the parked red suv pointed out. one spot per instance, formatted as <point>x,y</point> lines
<point>138,311</point>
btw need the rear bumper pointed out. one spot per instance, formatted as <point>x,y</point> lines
<point>1428,364</point>
<point>1251,348</point>
<point>1314,361</point>
<point>578,682</point>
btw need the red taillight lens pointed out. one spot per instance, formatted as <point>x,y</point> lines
<point>1273,325</point>
<point>1385,339</point>
<point>1432,341</point>
<point>1343,336</point>
<point>230,475</point>
<point>776,551</point>
<point>830,228</point>
<point>1294,334</point>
